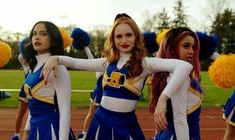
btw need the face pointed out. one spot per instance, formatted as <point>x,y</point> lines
<point>124,38</point>
<point>41,39</point>
<point>186,49</point>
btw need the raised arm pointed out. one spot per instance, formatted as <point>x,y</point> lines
<point>180,71</point>
<point>88,53</point>
<point>96,65</point>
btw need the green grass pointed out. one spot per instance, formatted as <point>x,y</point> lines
<point>80,80</point>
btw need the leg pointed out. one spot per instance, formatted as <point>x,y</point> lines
<point>87,121</point>
<point>19,118</point>
<point>89,117</point>
<point>229,132</point>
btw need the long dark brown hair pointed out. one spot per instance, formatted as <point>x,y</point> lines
<point>56,47</point>
<point>169,49</point>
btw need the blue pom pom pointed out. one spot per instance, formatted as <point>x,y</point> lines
<point>150,42</point>
<point>22,46</point>
<point>81,39</point>
<point>208,45</point>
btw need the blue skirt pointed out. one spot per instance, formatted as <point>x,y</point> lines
<point>44,126</point>
<point>229,110</point>
<point>44,122</point>
<point>194,128</point>
<point>109,125</point>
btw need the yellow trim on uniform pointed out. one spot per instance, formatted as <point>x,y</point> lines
<point>33,93</point>
<point>132,89</point>
<point>196,92</point>
<point>44,99</point>
<point>27,90</point>
<point>191,109</point>
<point>200,95</point>
<point>37,87</point>
<point>104,80</point>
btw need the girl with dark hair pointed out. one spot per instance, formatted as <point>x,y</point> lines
<point>181,118</point>
<point>49,105</point>
<point>125,68</point>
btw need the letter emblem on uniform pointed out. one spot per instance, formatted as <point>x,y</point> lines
<point>115,79</point>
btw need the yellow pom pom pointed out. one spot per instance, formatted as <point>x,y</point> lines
<point>160,36</point>
<point>222,71</point>
<point>66,37</point>
<point>5,53</point>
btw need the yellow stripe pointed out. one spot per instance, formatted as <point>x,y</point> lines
<point>191,109</point>
<point>27,90</point>
<point>44,99</point>
<point>132,89</point>
<point>196,92</point>
<point>37,87</point>
<point>201,96</point>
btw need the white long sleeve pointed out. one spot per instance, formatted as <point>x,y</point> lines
<point>179,107</point>
<point>96,65</point>
<point>88,53</point>
<point>180,71</point>
<point>62,87</point>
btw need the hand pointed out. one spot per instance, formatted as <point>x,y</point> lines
<point>51,65</point>
<point>160,113</point>
<point>25,135</point>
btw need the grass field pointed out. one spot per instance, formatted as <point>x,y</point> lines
<point>80,80</point>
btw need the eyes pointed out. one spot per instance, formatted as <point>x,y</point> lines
<point>40,33</point>
<point>127,35</point>
<point>188,45</point>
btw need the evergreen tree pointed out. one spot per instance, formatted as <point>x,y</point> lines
<point>150,22</point>
<point>180,19</point>
<point>224,27</point>
<point>163,21</point>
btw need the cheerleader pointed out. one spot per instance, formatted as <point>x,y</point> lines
<point>125,70</point>
<point>22,96</point>
<point>49,105</point>
<point>181,120</point>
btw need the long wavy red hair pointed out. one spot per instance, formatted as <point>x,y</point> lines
<point>169,49</point>
<point>138,52</point>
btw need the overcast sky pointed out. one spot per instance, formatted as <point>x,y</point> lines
<point>21,15</point>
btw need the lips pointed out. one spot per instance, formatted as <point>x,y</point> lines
<point>37,43</point>
<point>189,59</point>
<point>124,46</point>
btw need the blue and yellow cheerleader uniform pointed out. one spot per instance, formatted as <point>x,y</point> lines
<point>115,118</point>
<point>97,94</point>
<point>45,115</point>
<point>108,124</point>
<point>229,110</point>
<point>194,101</point>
